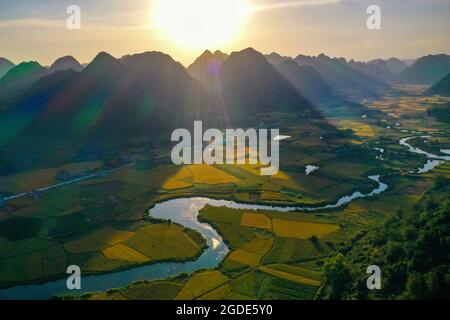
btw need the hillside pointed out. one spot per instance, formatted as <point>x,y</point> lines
<point>5,66</point>
<point>21,76</point>
<point>341,76</point>
<point>5,166</point>
<point>395,66</point>
<point>251,83</point>
<point>411,248</point>
<point>275,58</point>
<point>142,96</point>
<point>306,80</point>
<point>65,63</point>
<point>442,87</point>
<point>206,68</point>
<point>426,70</point>
<point>140,88</point>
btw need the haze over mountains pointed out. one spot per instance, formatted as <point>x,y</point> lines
<point>141,95</point>
<point>17,79</point>
<point>383,70</point>
<point>148,90</point>
<point>5,66</point>
<point>426,70</point>
<point>66,63</point>
<point>341,75</point>
<point>250,82</point>
<point>307,80</point>
<point>350,77</point>
<point>149,93</point>
<point>345,75</point>
<point>110,97</point>
<point>206,67</point>
<point>15,82</point>
<point>442,87</point>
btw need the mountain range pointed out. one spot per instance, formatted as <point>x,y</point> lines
<point>206,67</point>
<point>141,95</point>
<point>383,70</point>
<point>442,87</point>
<point>148,94</point>
<point>426,70</point>
<point>5,66</point>
<point>343,75</point>
<point>17,79</point>
<point>306,80</point>
<point>65,63</point>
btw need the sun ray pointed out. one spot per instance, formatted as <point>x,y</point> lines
<point>201,23</point>
<point>287,4</point>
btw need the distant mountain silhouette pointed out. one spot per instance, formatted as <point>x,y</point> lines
<point>379,70</point>
<point>341,76</point>
<point>150,92</point>
<point>20,78</point>
<point>409,62</point>
<point>395,66</point>
<point>275,58</point>
<point>375,69</point>
<point>103,62</point>
<point>5,66</point>
<point>442,87</point>
<point>24,72</point>
<point>5,166</point>
<point>306,80</point>
<point>17,80</point>
<point>206,68</point>
<point>384,70</point>
<point>142,96</point>
<point>65,63</point>
<point>252,85</point>
<point>426,70</point>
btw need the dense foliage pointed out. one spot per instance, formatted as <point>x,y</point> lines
<point>5,166</point>
<point>441,113</point>
<point>411,248</point>
<point>442,87</point>
<point>18,228</point>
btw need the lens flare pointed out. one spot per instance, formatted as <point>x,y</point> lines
<point>201,23</point>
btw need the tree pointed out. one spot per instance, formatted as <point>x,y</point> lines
<point>5,166</point>
<point>337,276</point>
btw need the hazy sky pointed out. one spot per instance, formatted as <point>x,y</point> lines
<point>36,29</point>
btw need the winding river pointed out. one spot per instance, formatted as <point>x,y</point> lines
<point>184,211</point>
<point>433,159</point>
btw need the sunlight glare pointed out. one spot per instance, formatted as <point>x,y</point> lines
<point>201,23</point>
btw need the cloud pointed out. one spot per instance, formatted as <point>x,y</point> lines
<point>286,4</point>
<point>31,23</point>
<point>61,24</point>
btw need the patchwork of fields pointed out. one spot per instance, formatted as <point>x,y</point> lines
<point>102,224</point>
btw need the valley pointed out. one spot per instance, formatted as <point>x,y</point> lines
<point>87,175</point>
<point>254,252</point>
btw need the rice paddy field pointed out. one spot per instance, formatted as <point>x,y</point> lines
<point>102,224</point>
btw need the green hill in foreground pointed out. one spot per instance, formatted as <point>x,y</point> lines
<point>441,88</point>
<point>5,66</point>
<point>411,248</point>
<point>426,70</point>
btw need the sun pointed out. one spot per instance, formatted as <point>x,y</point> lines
<point>201,24</point>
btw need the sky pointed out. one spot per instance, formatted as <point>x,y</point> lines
<point>36,29</point>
